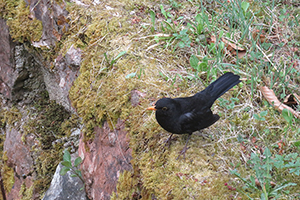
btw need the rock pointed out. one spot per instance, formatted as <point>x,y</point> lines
<point>19,159</point>
<point>24,74</point>
<point>54,20</point>
<point>20,76</point>
<point>107,157</point>
<point>60,79</point>
<point>135,97</point>
<point>6,56</point>
<point>65,187</point>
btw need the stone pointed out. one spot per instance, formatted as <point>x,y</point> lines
<point>54,20</point>
<point>107,156</point>
<point>20,76</point>
<point>19,159</point>
<point>65,187</point>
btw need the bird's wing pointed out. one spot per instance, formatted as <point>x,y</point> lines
<point>195,115</point>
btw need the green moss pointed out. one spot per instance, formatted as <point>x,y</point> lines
<point>26,193</point>
<point>22,26</point>
<point>51,123</point>
<point>10,116</point>
<point>7,174</point>
<point>128,187</point>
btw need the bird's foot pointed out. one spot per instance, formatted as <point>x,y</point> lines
<point>182,152</point>
<point>168,141</point>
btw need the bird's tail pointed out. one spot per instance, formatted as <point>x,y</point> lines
<point>220,86</point>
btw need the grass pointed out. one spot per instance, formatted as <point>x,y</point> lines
<point>176,48</point>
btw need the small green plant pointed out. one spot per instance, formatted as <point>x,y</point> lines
<point>245,6</point>
<point>174,4</point>
<point>260,116</point>
<point>197,65</point>
<point>264,167</point>
<point>136,74</point>
<point>228,104</point>
<point>112,61</point>
<point>69,166</point>
<point>183,37</point>
<point>152,16</point>
<point>288,116</point>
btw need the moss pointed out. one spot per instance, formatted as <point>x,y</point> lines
<point>7,174</point>
<point>69,125</point>
<point>51,123</point>
<point>22,27</point>
<point>11,116</point>
<point>26,193</point>
<point>128,188</point>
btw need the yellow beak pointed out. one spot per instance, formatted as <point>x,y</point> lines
<point>151,108</point>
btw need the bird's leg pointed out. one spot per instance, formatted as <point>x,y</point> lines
<point>168,141</point>
<point>182,152</point>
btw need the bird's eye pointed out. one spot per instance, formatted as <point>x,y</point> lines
<point>164,108</point>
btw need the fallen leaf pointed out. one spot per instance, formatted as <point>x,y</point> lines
<point>272,99</point>
<point>256,35</point>
<point>232,45</point>
<point>233,48</point>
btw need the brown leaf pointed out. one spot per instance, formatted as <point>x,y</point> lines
<point>262,37</point>
<point>230,46</point>
<point>272,99</point>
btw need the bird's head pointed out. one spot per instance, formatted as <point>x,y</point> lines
<point>167,113</point>
<point>164,106</point>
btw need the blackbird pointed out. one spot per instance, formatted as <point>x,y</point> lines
<point>189,114</point>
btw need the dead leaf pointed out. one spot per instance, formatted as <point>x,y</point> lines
<point>230,46</point>
<point>56,34</point>
<point>253,139</point>
<point>256,35</point>
<point>272,99</point>
<point>61,20</point>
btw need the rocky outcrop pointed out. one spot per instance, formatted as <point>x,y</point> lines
<point>54,20</point>
<point>107,156</point>
<point>6,55</point>
<point>20,75</point>
<point>59,80</point>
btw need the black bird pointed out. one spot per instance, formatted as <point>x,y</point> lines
<point>189,114</point>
